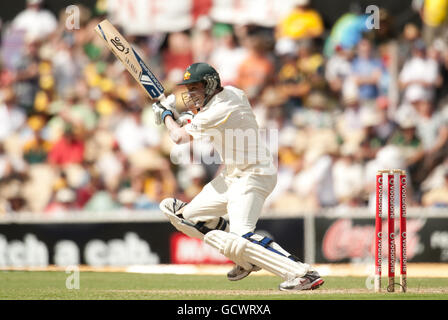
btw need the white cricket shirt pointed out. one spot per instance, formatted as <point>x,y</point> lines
<point>229,123</point>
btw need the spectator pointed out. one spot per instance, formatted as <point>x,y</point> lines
<point>227,55</point>
<point>366,71</point>
<point>194,177</point>
<point>66,66</point>
<point>159,183</point>
<point>127,198</point>
<point>291,83</point>
<point>432,129</point>
<point>349,124</point>
<point>11,194</point>
<point>301,70</point>
<point>102,200</point>
<point>311,64</point>
<point>132,135</point>
<point>202,42</point>
<point>26,76</point>
<point>338,68</point>
<point>348,173</point>
<point>69,148</point>
<point>177,56</point>
<point>371,143</point>
<point>133,184</point>
<point>143,200</point>
<point>63,201</point>
<point>110,162</point>
<point>386,127</point>
<point>419,71</point>
<point>346,32</point>
<point>38,23</point>
<point>12,117</point>
<point>434,15</point>
<point>408,107</point>
<point>85,192</point>
<point>316,116</point>
<point>437,197</point>
<point>78,111</point>
<point>256,70</point>
<point>270,109</point>
<point>314,183</point>
<point>290,161</point>
<point>301,23</point>
<point>437,53</point>
<point>36,148</point>
<point>411,33</point>
<point>407,140</point>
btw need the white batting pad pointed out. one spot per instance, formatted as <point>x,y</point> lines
<point>180,224</point>
<point>243,252</point>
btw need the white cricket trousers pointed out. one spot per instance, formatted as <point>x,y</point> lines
<point>241,197</point>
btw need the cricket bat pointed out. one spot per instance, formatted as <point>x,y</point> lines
<point>131,60</point>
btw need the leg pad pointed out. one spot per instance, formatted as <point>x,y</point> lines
<point>246,253</point>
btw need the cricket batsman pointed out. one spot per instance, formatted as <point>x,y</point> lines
<point>223,114</point>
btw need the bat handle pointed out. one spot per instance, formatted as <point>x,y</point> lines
<point>161,98</point>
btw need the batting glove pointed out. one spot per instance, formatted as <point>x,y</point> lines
<point>164,108</point>
<point>185,118</point>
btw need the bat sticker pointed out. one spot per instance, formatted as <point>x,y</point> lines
<point>117,44</point>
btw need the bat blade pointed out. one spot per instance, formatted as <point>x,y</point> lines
<point>130,59</point>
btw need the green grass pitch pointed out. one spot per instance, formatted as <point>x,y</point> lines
<point>53,285</point>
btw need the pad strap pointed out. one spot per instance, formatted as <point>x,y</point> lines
<point>222,225</point>
<point>265,243</point>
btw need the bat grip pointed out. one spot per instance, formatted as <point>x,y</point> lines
<point>161,98</point>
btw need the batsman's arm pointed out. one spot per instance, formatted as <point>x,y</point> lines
<point>177,133</point>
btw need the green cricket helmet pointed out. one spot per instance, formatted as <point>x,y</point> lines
<point>205,73</point>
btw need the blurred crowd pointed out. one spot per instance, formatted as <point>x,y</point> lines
<point>78,133</point>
